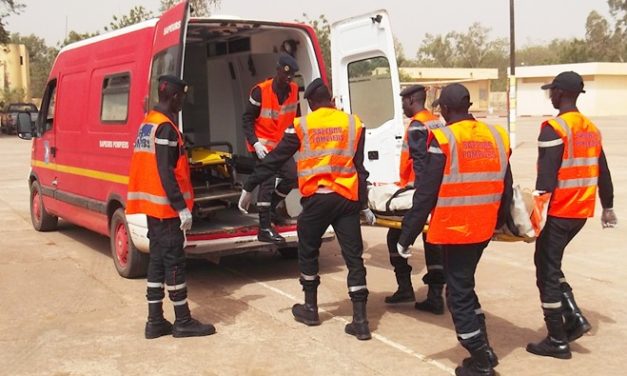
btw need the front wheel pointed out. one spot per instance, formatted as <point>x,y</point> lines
<point>128,261</point>
<point>41,219</point>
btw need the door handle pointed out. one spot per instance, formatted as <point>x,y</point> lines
<point>53,151</point>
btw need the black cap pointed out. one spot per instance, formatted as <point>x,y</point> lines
<point>287,63</point>
<point>454,96</point>
<point>567,81</point>
<point>168,79</point>
<point>312,87</point>
<point>411,90</point>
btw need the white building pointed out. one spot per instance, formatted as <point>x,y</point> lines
<point>605,85</point>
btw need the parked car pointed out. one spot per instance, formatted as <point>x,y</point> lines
<point>9,116</point>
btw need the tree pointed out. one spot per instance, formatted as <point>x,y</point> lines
<point>7,7</point>
<point>200,8</point>
<point>74,36</point>
<point>436,51</point>
<point>323,30</point>
<point>41,58</point>
<point>137,14</point>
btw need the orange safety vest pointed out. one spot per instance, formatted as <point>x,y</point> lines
<point>145,191</point>
<point>406,171</point>
<point>469,198</point>
<point>575,194</point>
<point>274,118</point>
<point>328,142</point>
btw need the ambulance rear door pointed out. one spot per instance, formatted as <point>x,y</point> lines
<point>366,83</point>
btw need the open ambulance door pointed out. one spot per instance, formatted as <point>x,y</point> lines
<point>366,83</point>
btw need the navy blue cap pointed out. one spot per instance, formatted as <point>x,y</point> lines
<point>169,79</point>
<point>312,87</point>
<point>287,63</point>
<point>411,90</point>
<point>454,96</point>
<point>567,81</point>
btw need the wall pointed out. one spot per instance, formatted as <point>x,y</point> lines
<point>15,69</point>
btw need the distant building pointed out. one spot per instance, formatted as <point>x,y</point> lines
<point>605,85</point>
<point>14,72</point>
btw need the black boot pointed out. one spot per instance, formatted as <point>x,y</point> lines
<point>267,233</point>
<point>359,326</point>
<point>555,344</point>
<point>405,291</point>
<point>186,326</point>
<point>434,302</point>
<point>307,313</point>
<point>575,323</point>
<point>494,360</point>
<point>477,365</point>
<point>156,325</point>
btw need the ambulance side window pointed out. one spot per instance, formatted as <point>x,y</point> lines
<point>164,62</point>
<point>115,94</point>
<point>371,94</point>
<point>46,118</point>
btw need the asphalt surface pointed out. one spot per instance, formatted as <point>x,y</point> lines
<point>65,311</point>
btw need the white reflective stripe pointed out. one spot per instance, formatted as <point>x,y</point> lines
<point>469,335</point>
<point>562,280</point>
<point>434,124</point>
<point>324,190</point>
<point>155,301</point>
<point>478,311</point>
<point>288,108</point>
<point>413,127</point>
<point>579,162</point>
<point>307,151</point>
<point>159,200</point>
<point>469,200</point>
<point>549,144</point>
<point>470,177</point>
<point>435,267</point>
<point>434,150</point>
<point>280,194</point>
<point>180,302</point>
<point>357,288</point>
<point>176,287</point>
<point>268,113</point>
<point>552,305</point>
<point>577,183</point>
<point>308,277</point>
<point>154,284</point>
<point>263,204</point>
<point>165,142</point>
<point>290,130</point>
<point>569,135</point>
<point>253,102</point>
<point>343,170</point>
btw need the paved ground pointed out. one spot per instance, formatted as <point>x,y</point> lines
<point>65,311</point>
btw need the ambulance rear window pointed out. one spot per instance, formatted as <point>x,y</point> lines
<point>115,93</point>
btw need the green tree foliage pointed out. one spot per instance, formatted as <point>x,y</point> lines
<point>41,58</point>
<point>200,8</point>
<point>323,30</point>
<point>137,14</point>
<point>8,7</point>
<point>74,36</point>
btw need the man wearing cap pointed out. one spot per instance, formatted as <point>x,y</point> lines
<point>571,164</point>
<point>159,186</point>
<point>413,157</point>
<point>272,107</point>
<point>467,188</point>
<point>332,181</point>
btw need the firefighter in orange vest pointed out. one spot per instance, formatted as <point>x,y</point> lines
<point>571,164</point>
<point>467,188</point>
<point>332,180</point>
<point>272,107</point>
<point>160,187</point>
<point>413,157</point>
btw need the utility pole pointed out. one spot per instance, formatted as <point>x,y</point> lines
<point>511,85</point>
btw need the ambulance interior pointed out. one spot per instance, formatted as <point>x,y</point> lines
<point>223,61</point>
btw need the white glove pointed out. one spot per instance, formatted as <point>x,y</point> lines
<point>186,219</point>
<point>405,252</point>
<point>260,149</point>
<point>368,216</point>
<point>244,201</point>
<point>608,218</point>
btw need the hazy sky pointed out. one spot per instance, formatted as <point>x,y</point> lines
<point>537,21</point>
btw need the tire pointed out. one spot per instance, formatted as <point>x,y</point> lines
<point>128,261</point>
<point>289,253</point>
<point>41,219</point>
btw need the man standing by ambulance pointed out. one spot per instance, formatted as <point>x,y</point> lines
<point>413,159</point>
<point>332,180</point>
<point>160,187</point>
<point>571,164</point>
<point>467,188</point>
<point>272,107</point>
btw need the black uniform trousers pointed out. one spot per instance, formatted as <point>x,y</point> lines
<point>289,181</point>
<point>550,245</point>
<point>320,211</point>
<point>460,264</point>
<point>433,259</point>
<point>167,260</point>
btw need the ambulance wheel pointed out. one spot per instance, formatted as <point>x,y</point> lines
<point>41,219</point>
<point>128,261</point>
<point>289,253</point>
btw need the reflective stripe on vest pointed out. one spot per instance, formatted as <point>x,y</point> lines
<point>406,167</point>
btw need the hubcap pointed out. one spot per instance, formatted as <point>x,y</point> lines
<point>121,244</point>
<point>36,206</point>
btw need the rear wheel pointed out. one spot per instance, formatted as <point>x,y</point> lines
<point>128,261</point>
<point>41,219</point>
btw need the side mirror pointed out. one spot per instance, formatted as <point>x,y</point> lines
<point>25,125</point>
